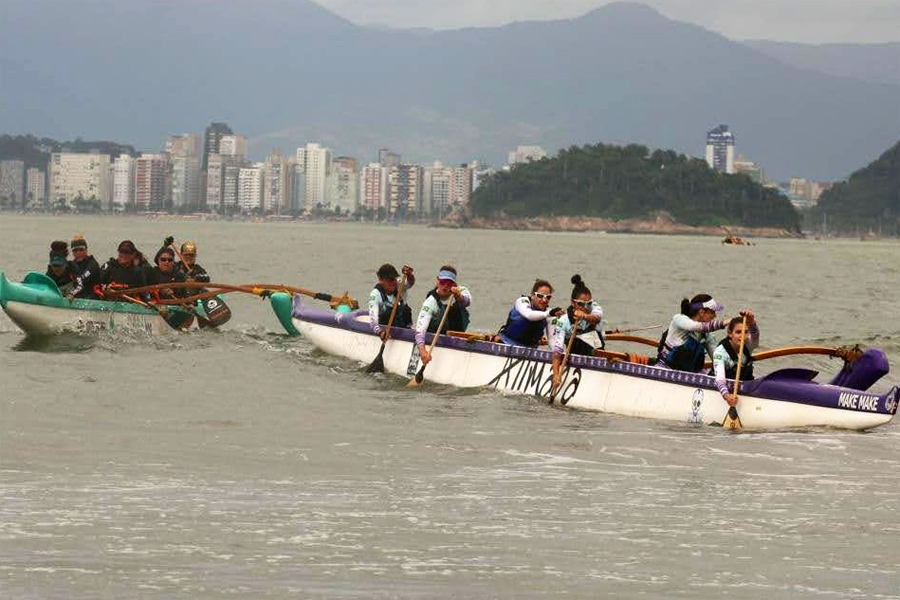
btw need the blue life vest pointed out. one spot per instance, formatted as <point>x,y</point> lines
<point>520,330</point>
<point>403,318</point>
<point>457,320</point>
<point>686,357</point>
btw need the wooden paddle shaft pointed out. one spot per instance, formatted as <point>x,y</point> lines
<point>396,304</point>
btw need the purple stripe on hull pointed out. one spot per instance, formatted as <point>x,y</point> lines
<point>789,385</point>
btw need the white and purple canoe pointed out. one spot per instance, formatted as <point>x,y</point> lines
<point>788,398</point>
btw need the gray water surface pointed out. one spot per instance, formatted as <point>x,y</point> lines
<point>243,463</point>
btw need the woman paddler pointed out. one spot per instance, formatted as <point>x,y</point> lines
<point>381,299</point>
<point>587,316</point>
<point>435,304</point>
<point>683,345</point>
<point>529,318</point>
<point>726,354</point>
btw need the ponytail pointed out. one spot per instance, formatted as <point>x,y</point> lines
<point>686,307</point>
<point>579,288</point>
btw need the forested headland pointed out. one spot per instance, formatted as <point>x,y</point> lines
<point>868,202</point>
<point>627,182</point>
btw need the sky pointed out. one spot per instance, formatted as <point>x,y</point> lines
<point>807,21</point>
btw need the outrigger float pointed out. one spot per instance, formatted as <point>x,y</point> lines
<point>39,309</point>
<point>787,398</point>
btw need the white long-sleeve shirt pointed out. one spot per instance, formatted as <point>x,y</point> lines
<point>430,308</point>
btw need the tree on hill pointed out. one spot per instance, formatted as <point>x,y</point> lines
<point>868,201</point>
<point>621,182</point>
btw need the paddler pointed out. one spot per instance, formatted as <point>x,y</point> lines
<point>683,345</point>
<point>435,304</point>
<point>588,317</point>
<point>726,354</point>
<point>381,299</point>
<point>188,264</point>
<point>165,272</point>
<point>59,269</point>
<point>121,272</point>
<point>530,317</point>
<point>86,266</point>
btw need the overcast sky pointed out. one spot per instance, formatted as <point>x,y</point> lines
<point>811,21</point>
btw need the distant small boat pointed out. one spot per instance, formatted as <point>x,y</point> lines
<point>38,308</point>
<point>734,240</point>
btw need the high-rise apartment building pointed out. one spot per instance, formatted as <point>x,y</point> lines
<point>231,174</point>
<point>315,163</point>
<point>152,182</point>
<point>123,181</point>
<point>342,184</point>
<point>250,187</point>
<point>72,175</point>
<point>405,190</point>
<point>278,178</point>
<point>184,152</point>
<point>461,186</point>
<point>233,145</point>
<point>720,149</point>
<point>211,140</point>
<point>35,187</point>
<point>441,179</point>
<point>12,181</point>
<point>373,186</point>
<point>214,173</point>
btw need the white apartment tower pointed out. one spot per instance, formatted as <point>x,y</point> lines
<point>250,188</point>
<point>373,186</point>
<point>720,149</point>
<point>123,181</point>
<point>71,174</point>
<point>277,179</point>
<point>315,163</point>
<point>12,181</point>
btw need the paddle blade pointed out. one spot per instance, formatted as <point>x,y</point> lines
<point>377,365</point>
<point>732,420</point>
<point>217,312</point>
<point>418,379</point>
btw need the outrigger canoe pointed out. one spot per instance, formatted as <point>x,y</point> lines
<point>787,398</point>
<point>39,309</point>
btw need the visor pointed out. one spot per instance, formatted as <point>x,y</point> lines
<point>448,275</point>
<point>57,260</point>
<point>711,304</point>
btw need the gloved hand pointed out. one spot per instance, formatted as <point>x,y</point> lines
<point>556,312</point>
<point>169,241</point>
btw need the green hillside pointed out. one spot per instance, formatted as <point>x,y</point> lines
<point>868,201</point>
<point>620,182</point>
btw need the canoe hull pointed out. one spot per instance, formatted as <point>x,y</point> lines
<point>593,383</point>
<point>37,307</point>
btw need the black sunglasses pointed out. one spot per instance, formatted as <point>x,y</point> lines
<point>164,259</point>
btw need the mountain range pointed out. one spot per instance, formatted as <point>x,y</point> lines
<point>285,72</point>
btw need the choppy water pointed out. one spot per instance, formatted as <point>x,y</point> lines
<point>244,464</point>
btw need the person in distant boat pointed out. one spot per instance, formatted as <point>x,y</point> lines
<point>683,345</point>
<point>165,272</point>
<point>530,317</point>
<point>435,304</point>
<point>188,264</point>
<point>59,269</point>
<point>588,317</point>
<point>726,354</point>
<point>381,299</point>
<point>121,272</point>
<point>87,268</point>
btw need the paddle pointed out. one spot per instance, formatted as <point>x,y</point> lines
<point>732,420</point>
<point>633,329</point>
<point>565,360</point>
<point>420,376</point>
<point>216,310</point>
<point>256,289</point>
<point>163,311</point>
<point>377,365</point>
<point>848,353</point>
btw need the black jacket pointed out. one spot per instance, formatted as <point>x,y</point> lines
<point>88,276</point>
<point>66,281</point>
<point>197,273</point>
<point>176,276</point>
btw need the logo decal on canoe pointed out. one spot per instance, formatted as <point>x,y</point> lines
<point>536,377</point>
<point>696,415</point>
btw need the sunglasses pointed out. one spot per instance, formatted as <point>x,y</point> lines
<point>164,259</point>
<point>446,283</point>
<point>541,296</point>
<point>126,253</point>
<point>582,303</point>
<point>79,249</point>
